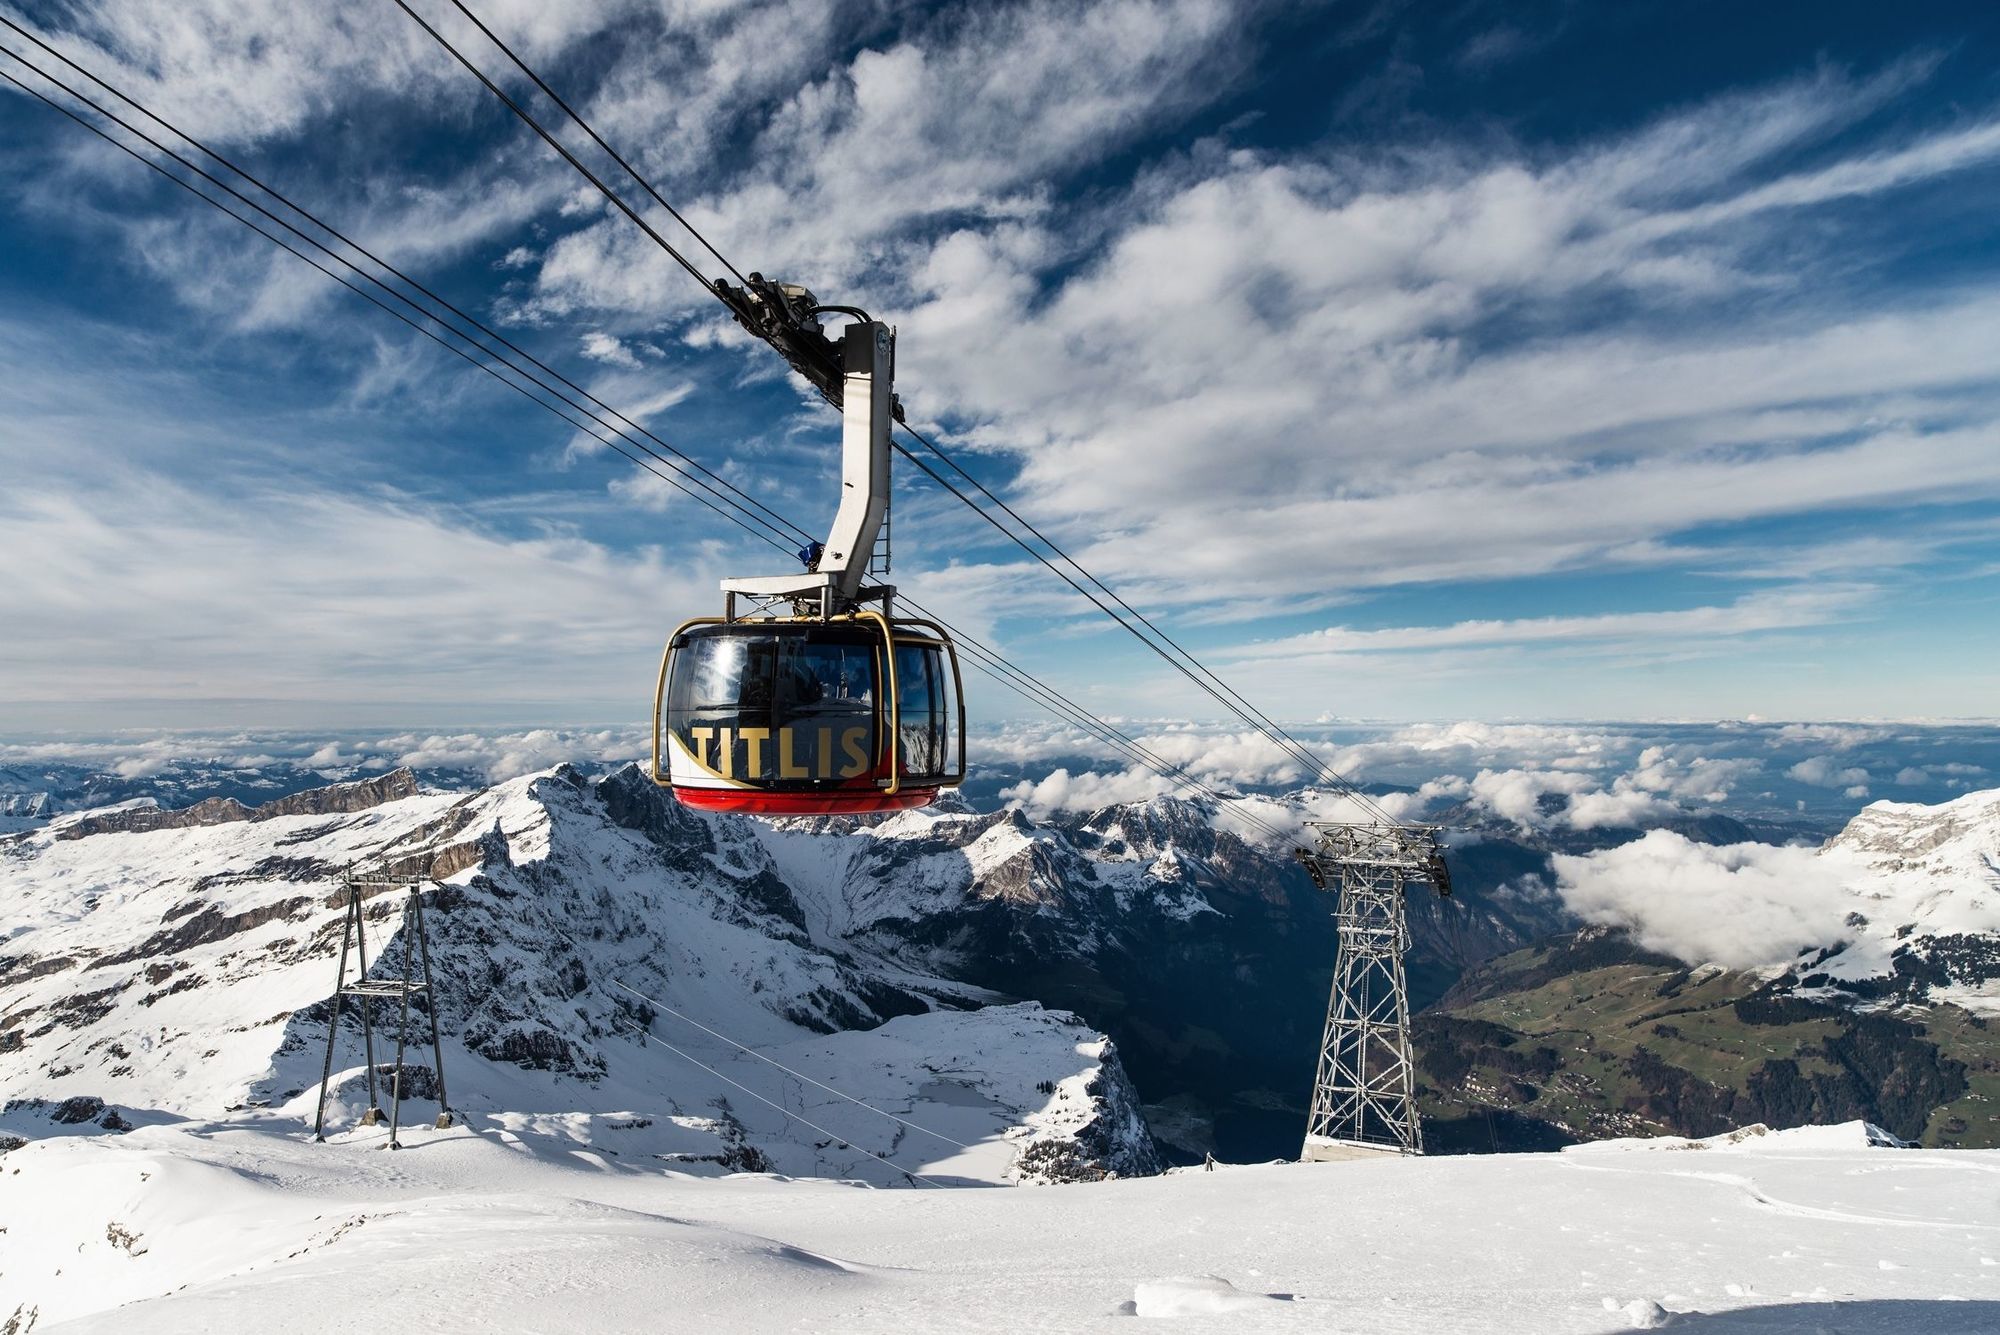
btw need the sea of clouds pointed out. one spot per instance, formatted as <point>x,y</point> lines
<point>1599,797</point>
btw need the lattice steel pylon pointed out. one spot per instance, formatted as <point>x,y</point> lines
<point>1364,1098</point>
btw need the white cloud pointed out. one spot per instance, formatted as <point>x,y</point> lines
<point>1839,736</point>
<point>646,489</point>
<point>1517,795</point>
<point>495,754</point>
<point>315,599</point>
<point>1827,772</point>
<point>1063,791</point>
<point>1743,906</point>
<point>1537,776</point>
<point>1776,610</point>
<point>508,755</point>
<point>1271,821</point>
<point>1698,778</point>
<point>1660,785</point>
<point>602,347</point>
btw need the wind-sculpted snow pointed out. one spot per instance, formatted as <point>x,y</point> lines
<point>174,1229</point>
<point>180,970</point>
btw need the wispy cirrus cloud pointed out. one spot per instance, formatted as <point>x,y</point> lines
<point>1776,610</point>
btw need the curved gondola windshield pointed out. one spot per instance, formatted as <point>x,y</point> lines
<point>799,717</point>
<point>759,707</point>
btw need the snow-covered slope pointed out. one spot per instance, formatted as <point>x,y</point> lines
<point>1925,917</point>
<point>179,1229</point>
<point>160,967</point>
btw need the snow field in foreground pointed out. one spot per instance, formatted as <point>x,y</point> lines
<point>185,1228</point>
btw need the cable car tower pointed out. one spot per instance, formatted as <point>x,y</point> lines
<point>808,695</point>
<point>1364,1098</point>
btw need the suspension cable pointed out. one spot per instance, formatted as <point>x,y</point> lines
<point>999,671</point>
<point>1170,651</point>
<point>791,531</point>
<point>1295,750</point>
<point>796,1075</point>
<point>831,1136</point>
<point>995,665</point>
<point>556,144</point>
<point>593,413</point>
<point>591,427</point>
<point>1263,723</point>
<point>598,139</point>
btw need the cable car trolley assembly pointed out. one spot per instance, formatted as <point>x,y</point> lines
<point>808,695</point>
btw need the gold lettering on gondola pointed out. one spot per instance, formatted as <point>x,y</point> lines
<point>753,742</point>
<point>853,743</point>
<point>788,768</point>
<point>824,756</point>
<point>700,737</point>
<point>725,753</point>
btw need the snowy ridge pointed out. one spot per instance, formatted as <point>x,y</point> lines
<point>1925,881</point>
<point>933,888</point>
<point>1757,1137</point>
<point>163,969</point>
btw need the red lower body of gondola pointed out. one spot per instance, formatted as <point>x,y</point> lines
<point>827,802</point>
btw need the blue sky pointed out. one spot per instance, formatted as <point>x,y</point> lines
<point>1409,361</point>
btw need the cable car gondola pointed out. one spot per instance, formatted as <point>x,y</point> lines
<point>804,717</point>
<point>832,705</point>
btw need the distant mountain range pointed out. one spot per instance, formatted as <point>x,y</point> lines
<point>175,963</point>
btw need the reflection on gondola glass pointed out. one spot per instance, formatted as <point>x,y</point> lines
<point>920,701</point>
<point>758,707</point>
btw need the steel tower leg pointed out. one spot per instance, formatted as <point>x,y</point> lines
<point>333,1024</point>
<point>373,1116</point>
<point>402,1035</point>
<point>431,999</point>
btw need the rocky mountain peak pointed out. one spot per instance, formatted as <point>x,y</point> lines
<point>1960,836</point>
<point>187,975</point>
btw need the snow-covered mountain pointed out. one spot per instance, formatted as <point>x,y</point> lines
<point>176,965</point>
<point>1925,916</point>
<point>1128,915</point>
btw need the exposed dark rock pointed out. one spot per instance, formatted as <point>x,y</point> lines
<point>419,1081</point>
<point>536,1048</point>
<point>23,968</point>
<point>76,1111</point>
<point>339,798</point>
<point>204,928</point>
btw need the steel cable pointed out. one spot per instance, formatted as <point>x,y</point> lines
<point>1224,695</point>
<point>642,462</point>
<point>744,500</point>
<point>592,411</point>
